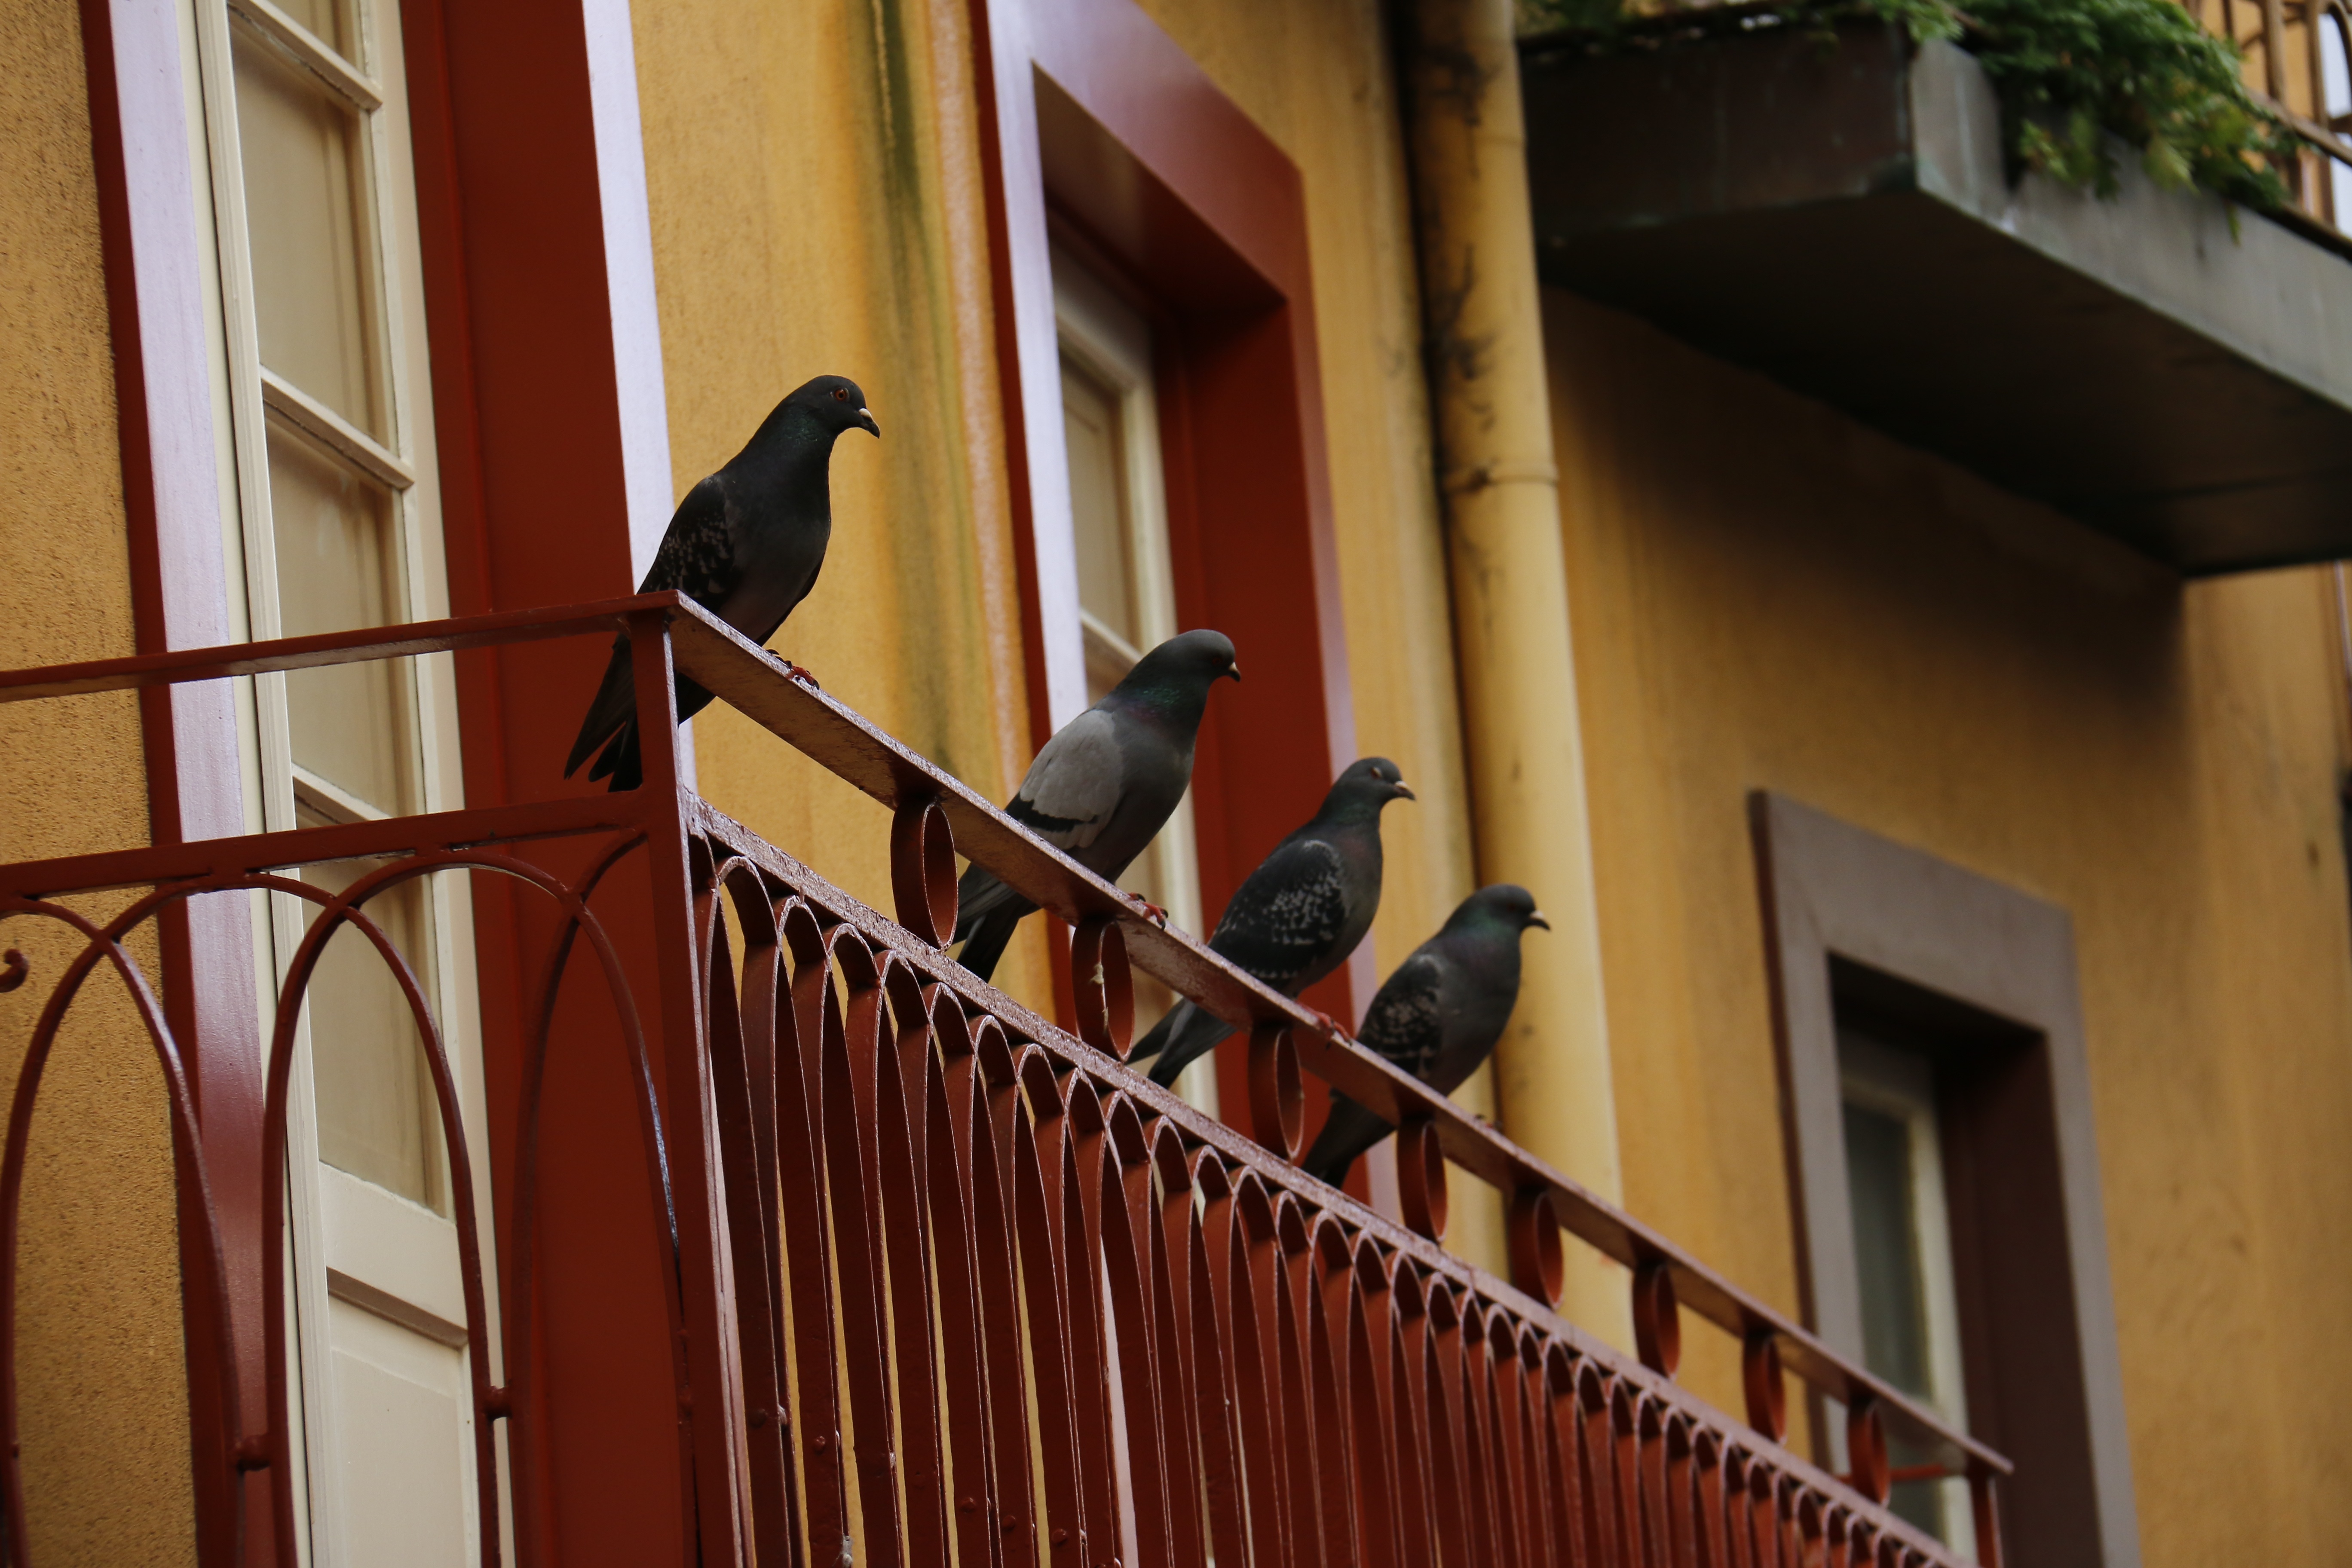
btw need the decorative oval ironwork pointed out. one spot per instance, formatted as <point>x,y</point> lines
<point>1104,985</point>
<point>923,871</point>
<point>1657,1318</point>
<point>1420,1178</point>
<point>1277,1097</point>
<point>1539,1262</point>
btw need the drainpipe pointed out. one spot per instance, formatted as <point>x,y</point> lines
<point>1501,493</point>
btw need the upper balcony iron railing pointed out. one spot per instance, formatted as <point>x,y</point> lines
<point>2293,49</point>
<point>1051,1311</point>
<point>2297,64</point>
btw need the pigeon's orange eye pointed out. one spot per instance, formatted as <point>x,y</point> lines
<point>841,395</point>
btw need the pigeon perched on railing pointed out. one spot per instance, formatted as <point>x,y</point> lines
<point>1438,1016</point>
<point>746,544</point>
<point>1105,783</point>
<point>1298,916</point>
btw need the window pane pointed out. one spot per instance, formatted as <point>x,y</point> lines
<point>1098,501</point>
<point>1885,1247</point>
<point>1878,1159</point>
<point>307,206</point>
<point>376,1113</point>
<point>328,22</point>
<point>339,567</point>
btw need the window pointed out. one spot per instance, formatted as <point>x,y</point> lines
<point>1117,161</point>
<point>1946,1169</point>
<point>1127,595</point>
<point>319,340</point>
<point>1903,1256</point>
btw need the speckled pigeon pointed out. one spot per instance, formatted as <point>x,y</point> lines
<point>746,544</point>
<point>1438,1016</point>
<point>1104,785</point>
<point>1298,916</point>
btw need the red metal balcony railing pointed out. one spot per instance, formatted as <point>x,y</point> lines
<point>940,1281</point>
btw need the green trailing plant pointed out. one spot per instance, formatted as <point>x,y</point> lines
<point>2071,73</point>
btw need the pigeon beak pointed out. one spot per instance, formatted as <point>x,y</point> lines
<point>1402,791</point>
<point>866,422</point>
<point>1236,672</point>
<point>1536,919</point>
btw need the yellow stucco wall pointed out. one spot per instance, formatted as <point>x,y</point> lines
<point>851,240</point>
<point>106,1446</point>
<point>1816,610</point>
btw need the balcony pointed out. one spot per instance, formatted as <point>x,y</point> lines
<point>934,1279</point>
<point>1840,218</point>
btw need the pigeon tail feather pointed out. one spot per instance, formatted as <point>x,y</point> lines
<point>1191,1038</point>
<point>615,705</point>
<point>622,763</point>
<point>1156,1038</point>
<point>983,949</point>
<point>1350,1130</point>
<point>980,895</point>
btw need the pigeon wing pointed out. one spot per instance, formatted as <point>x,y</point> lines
<point>1405,1021</point>
<point>1076,783</point>
<point>696,556</point>
<point>1284,919</point>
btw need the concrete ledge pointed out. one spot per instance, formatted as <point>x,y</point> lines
<point>1839,217</point>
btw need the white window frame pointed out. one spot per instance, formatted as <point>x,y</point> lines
<point>337,1263</point>
<point>1109,341</point>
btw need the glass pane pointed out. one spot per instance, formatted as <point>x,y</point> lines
<point>339,567</point>
<point>1090,418</point>
<point>376,1113</point>
<point>1878,1157</point>
<point>1885,1247</point>
<point>307,212</point>
<point>329,21</point>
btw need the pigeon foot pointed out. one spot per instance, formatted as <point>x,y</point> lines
<point>801,673</point>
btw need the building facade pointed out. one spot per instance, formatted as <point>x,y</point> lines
<point>1952,943</point>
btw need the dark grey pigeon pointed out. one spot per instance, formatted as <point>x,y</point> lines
<point>1438,1016</point>
<point>1104,785</point>
<point>1298,916</point>
<point>746,544</point>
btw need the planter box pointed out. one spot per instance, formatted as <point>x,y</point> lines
<point>1839,217</point>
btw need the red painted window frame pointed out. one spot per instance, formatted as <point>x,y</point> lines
<point>1094,119</point>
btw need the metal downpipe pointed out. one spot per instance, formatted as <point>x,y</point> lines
<point>1484,341</point>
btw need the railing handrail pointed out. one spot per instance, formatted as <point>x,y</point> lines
<point>847,744</point>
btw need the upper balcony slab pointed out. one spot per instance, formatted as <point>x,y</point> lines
<point>1841,217</point>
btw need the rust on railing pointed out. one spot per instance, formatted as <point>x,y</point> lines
<point>946,1282</point>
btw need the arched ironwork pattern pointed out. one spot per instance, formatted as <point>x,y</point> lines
<point>972,1291</point>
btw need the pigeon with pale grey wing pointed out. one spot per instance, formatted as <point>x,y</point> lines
<point>746,544</point>
<point>1104,785</point>
<point>1298,916</point>
<point>1438,1016</point>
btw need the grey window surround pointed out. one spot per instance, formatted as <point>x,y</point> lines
<point>1840,898</point>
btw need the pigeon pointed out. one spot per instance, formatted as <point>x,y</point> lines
<point>746,544</point>
<point>1105,783</point>
<point>1299,915</point>
<point>1438,1016</point>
